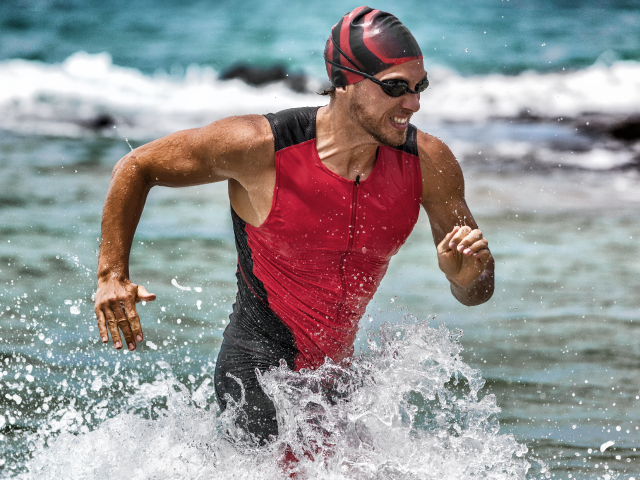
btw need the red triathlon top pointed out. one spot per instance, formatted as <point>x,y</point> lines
<point>306,275</point>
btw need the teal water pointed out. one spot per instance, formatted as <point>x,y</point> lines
<point>505,36</point>
<point>558,199</point>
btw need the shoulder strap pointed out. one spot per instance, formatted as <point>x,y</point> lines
<point>292,126</point>
<point>410,145</point>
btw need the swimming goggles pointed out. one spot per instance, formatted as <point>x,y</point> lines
<point>392,87</point>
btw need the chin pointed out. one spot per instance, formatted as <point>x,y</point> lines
<point>390,139</point>
<point>376,126</point>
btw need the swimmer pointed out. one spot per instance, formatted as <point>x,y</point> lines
<point>321,199</point>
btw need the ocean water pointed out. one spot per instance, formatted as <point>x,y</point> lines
<point>542,381</point>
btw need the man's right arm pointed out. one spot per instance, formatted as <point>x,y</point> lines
<point>238,148</point>
<point>463,252</point>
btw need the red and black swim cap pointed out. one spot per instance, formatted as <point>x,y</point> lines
<point>370,41</point>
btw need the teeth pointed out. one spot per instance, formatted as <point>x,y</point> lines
<point>399,120</point>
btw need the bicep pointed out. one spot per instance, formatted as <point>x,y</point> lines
<point>443,189</point>
<point>216,152</point>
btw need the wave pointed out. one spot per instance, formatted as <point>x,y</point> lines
<point>407,408</point>
<point>88,93</point>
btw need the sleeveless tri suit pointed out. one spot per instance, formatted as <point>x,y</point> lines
<point>306,275</point>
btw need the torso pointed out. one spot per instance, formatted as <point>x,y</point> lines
<point>312,262</point>
<point>252,199</point>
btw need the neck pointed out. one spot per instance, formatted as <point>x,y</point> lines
<point>343,146</point>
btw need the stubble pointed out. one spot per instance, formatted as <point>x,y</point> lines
<point>371,124</point>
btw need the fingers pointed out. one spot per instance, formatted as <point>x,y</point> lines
<point>122,322</point>
<point>467,241</point>
<point>476,247</point>
<point>116,317</point>
<point>102,326</point>
<point>112,324</point>
<point>445,244</point>
<point>483,255</point>
<point>125,327</point>
<point>134,320</point>
<point>115,309</point>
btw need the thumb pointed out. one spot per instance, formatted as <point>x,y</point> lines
<point>443,246</point>
<point>143,294</point>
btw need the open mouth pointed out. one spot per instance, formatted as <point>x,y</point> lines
<point>399,122</point>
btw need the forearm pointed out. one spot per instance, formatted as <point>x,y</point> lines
<point>479,291</point>
<point>123,206</point>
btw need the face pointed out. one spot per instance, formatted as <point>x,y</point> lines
<point>383,117</point>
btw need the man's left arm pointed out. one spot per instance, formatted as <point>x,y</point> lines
<point>463,252</point>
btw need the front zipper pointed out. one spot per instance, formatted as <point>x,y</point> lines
<point>352,231</point>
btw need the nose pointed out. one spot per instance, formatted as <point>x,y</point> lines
<point>411,101</point>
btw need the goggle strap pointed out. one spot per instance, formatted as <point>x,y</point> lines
<point>342,53</point>
<point>358,72</point>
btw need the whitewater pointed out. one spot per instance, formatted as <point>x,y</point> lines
<point>65,98</point>
<point>407,407</point>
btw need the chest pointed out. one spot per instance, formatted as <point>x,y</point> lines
<point>315,211</point>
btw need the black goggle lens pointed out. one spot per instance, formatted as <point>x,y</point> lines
<point>397,88</point>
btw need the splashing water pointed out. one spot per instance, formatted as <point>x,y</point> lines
<point>407,408</point>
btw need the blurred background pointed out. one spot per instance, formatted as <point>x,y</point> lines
<point>539,100</point>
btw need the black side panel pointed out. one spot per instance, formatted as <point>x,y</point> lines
<point>293,126</point>
<point>254,327</point>
<point>410,146</point>
<point>245,260</point>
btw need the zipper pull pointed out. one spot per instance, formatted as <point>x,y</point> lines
<point>357,180</point>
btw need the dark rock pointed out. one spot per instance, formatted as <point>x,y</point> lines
<point>100,122</point>
<point>625,128</point>
<point>628,130</point>
<point>297,82</point>
<point>257,76</point>
<point>525,115</point>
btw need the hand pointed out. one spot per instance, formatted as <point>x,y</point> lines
<point>115,306</point>
<point>463,254</point>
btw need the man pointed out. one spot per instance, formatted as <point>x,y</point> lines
<point>321,198</point>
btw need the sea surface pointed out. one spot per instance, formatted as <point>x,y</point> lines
<point>539,101</point>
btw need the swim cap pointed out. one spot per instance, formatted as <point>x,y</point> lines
<point>370,41</point>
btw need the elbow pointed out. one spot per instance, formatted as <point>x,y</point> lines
<point>480,292</point>
<point>132,169</point>
<point>480,296</point>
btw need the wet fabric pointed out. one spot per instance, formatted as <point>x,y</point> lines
<point>370,41</point>
<point>236,381</point>
<point>315,263</point>
<point>306,275</point>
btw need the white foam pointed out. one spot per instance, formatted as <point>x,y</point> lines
<point>596,158</point>
<point>60,98</point>
<point>606,445</point>
<point>175,283</point>
<point>409,408</point>
<point>600,88</point>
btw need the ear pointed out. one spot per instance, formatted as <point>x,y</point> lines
<point>345,92</point>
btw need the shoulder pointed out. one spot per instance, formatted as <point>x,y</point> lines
<point>237,146</point>
<point>441,172</point>
<point>237,135</point>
